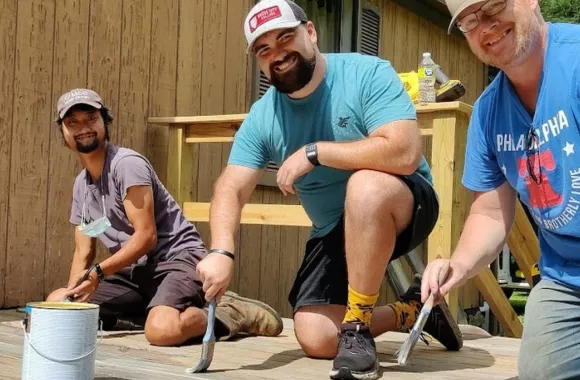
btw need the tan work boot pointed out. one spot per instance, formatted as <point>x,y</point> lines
<point>247,316</point>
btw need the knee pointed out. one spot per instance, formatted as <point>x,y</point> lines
<point>162,331</point>
<point>371,192</point>
<point>56,296</point>
<point>317,340</point>
<point>317,344</point>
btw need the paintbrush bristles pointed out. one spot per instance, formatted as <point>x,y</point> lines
<point>407,347</point>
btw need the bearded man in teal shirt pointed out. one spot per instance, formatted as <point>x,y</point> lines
<point>344,133</point>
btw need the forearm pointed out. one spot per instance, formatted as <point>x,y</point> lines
<point>224,219</point>
<point>81,261</point>
<point>482,239</point>
<point>138,245</point>
<point>375,153</point>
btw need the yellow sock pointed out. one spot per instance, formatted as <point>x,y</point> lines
<point>406,314</point>
<point>360,307</point>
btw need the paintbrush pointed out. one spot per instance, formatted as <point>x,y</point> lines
<point>407,347</point>
<point>405,350</point>
<point>208,342</point>
<point>80,281</point>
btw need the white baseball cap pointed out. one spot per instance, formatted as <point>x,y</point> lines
<point>268,15</point>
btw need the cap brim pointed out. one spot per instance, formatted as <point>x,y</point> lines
<point>283,25</point>
<point>466,5</point>
<point>63,112</point>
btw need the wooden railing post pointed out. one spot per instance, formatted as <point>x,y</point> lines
<point>179,164</point>
<point>448,149</point>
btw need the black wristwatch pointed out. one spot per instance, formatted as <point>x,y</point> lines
<point>100,273</point>
<point>312,154</point>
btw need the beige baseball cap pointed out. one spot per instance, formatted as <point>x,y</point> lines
<point>268,15</point>
<point>456,7</point>
<point>78,96</point>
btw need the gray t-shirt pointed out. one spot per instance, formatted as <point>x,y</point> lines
<point>125,168</point>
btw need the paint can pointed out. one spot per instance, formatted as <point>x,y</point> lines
<point>60,341</point>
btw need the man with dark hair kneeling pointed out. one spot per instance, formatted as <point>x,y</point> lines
<point>151,274</point>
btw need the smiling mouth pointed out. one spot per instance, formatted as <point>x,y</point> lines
<point>85,137</point>
<point>498,38</point>
<point>284,66</point>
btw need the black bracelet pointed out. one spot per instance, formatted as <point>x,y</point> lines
<point>223,252</point>
<point>100,273</point>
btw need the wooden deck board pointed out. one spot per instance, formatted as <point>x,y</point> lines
<point>129,356</point>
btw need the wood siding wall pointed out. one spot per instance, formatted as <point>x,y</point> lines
<point>147,58</point>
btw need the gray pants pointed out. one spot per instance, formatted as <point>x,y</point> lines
<point>550,347</point>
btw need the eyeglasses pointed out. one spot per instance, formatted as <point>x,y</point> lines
<point>489,8</point>
<point>533,155</point>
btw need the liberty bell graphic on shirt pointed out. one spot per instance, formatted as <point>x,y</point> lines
<point>542,194</point>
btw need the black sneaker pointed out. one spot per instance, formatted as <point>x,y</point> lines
<point>357,354</point>
<point>440,324</point>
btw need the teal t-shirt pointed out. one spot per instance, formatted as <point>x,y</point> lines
<point>358,94</point>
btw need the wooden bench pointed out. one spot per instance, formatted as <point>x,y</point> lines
<point>262,214</point>
<point>444,127</point>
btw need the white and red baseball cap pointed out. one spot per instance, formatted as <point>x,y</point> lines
<point>268,15</point>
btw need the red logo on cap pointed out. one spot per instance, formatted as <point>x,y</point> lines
<point>264,16</point>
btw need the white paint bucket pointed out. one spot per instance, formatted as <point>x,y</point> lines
<point>60,340</point>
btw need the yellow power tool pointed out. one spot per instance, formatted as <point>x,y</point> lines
<point>448,90</point>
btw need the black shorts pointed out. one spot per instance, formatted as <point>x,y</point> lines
<point>322,278</point>
<point>133,292</point>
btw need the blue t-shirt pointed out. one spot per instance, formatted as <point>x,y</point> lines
<point>358,94</point>
<point>496,151</point>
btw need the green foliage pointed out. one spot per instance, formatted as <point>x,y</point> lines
<point>561,10</point>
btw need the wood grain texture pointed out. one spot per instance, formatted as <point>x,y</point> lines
<point>104,56</point>
<point>32,119</point>
<point>69,71</point>
<point>277,214</point>
<point>212,101</point>
<point>188,99</point>
<point>271,253</point>
<point>250,251</point>
<point>131,357</point>
<point>135,72</point>
<point>162,79</point>
<point>235,89</point>
<point>8,25</point>
<point>104,66</point>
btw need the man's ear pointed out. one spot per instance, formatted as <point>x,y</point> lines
<point>312,32</point>
<point>534,5</point>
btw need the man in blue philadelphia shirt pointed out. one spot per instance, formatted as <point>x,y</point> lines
<point>344,133</point>
<point>523,140</point>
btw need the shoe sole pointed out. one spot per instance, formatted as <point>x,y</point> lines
<point>346,374</point>
<point>450,322</point>
<point>263,305</point>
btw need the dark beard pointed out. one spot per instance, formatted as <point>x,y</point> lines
<point>88,148</point>
<point>295,79</point>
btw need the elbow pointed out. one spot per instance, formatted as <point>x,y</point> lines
<point>410,161</point>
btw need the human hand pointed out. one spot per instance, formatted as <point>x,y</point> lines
<point>295,166</point>
<point>81,287</point>
<point>215,272</point>
<point>440,276</point>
